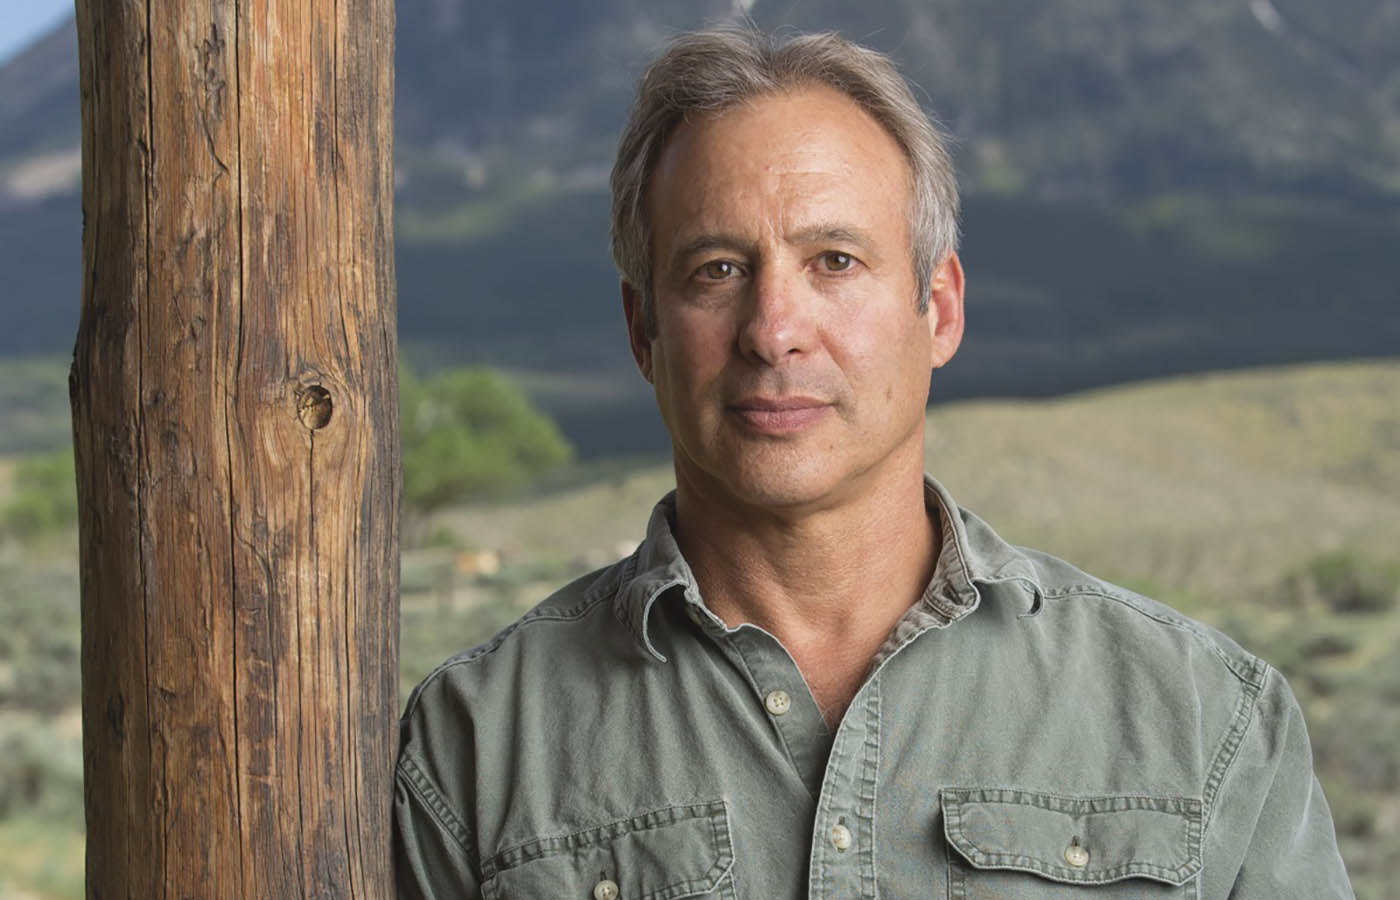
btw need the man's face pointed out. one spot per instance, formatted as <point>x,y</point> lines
<point>789,359</point>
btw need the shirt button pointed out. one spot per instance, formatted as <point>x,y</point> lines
<point>605,890</point>
<point>1076,855</point>
<point>841,838</point>
<point>777,702</point>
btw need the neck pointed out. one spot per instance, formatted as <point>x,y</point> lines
<point>829,583</point>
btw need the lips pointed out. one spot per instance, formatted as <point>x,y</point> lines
<point>779,415</point>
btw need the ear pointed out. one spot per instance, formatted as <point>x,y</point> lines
<point>945,310</point>
<point>637,328</point>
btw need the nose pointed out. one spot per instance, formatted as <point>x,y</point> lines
<point>778,326</point>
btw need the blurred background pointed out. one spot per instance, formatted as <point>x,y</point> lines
<point>1182,367</point>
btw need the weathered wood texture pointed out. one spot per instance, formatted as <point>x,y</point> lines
<point>235,424</point>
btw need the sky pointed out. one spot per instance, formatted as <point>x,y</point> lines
<point>21,21</point>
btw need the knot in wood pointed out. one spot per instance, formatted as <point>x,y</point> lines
<point>314,406</point>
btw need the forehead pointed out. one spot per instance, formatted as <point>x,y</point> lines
<point>809,150</point>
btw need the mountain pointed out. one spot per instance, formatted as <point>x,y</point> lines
<point>1091,97</point>
<point>1153,186</point>
<point>39,98</point>
<point>1076,97</point>
<point>1070,97</point>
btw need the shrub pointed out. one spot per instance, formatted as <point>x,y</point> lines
<point>1327,644</point>
<point>469,434</point>
<point>1348,583</point>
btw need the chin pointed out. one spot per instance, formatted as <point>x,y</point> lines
<point>772,480</point>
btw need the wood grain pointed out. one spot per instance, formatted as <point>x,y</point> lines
<point>235,425</point>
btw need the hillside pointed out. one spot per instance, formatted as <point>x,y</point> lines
<point>1265,502</point>
<point>1196,488</point>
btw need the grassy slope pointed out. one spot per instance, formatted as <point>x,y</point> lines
<point>1199,487</point>
<point>1205,491</point>
<point>33,405</point>
<point>1193,487</point>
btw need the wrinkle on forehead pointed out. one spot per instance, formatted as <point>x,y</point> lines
<point>774,166</point>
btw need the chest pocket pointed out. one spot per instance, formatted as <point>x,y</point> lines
<point>679,851</point>
<point>1012,844</point>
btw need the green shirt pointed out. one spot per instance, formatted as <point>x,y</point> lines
<point>1026,731</point>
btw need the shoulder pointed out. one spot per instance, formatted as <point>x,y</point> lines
<point>578,615</point>
<point>1115,659</point>
<point>1094,620</point>
<point>1130,623</point>
<point>506,694</point>
<point>1183,700</point>
<point>1077,613</point>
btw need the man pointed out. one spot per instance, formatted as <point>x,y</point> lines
<point>818,676</point>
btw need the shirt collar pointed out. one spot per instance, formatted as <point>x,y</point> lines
<point>972,556</point>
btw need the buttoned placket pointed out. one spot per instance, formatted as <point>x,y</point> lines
<point>842,862</point>
<point>841,770</point>
<point>779,690</point>
<point>787,700</point>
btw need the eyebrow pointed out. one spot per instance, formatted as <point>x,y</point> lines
<point>831,234</point>
<point>706,242</point>
<point>822,233</point>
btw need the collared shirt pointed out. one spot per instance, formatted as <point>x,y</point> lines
<point>1026,731</point>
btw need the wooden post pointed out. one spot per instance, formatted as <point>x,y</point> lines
<point>235,425</point>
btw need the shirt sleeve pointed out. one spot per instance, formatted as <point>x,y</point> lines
<point>431,856</point>
<point>1270,826</point>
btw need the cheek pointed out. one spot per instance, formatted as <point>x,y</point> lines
<point>864,344</point>
<point>891,363</point>
<point>695,348</point>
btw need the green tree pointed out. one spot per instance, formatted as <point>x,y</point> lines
<point>469,434</point>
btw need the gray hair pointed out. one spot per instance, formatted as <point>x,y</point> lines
<point>708,72</point>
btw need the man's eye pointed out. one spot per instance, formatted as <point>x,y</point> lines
<point>718,270</point>
<point>837,262</point>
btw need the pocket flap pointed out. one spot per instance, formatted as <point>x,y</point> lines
<point>1110,838</point>
<point>679,851</point>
